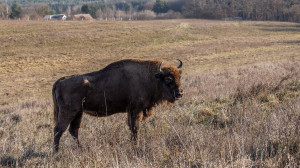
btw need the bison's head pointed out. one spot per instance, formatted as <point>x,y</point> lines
<point>169,82</point>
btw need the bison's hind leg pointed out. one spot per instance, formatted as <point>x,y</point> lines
<point>59,129</point>
<point>65,117</point>
<point>74,127</point>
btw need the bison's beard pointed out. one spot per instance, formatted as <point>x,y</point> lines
<point>169,98</point>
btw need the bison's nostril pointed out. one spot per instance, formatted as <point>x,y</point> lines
<point>178,95</point>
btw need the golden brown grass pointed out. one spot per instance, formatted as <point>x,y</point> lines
<point>34,54</point>
<point>240,108</point>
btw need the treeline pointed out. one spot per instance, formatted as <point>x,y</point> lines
<point>276,10</point>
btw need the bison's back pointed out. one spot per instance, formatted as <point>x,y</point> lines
<point>111,90</point>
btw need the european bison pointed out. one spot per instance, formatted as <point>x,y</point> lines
<point>127,86</point>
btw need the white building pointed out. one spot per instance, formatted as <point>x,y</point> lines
<point>55,17</point>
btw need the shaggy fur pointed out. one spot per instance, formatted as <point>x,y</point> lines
<point>127,86</point>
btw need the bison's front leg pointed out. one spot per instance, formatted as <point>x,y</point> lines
<point>134,120</point>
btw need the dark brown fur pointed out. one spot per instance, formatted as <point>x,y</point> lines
<point>127,86</point>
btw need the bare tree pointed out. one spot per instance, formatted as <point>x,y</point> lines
<point>30,12</point>
<point>2,11</point>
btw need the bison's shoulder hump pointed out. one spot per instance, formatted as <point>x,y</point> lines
<point>131,62</point>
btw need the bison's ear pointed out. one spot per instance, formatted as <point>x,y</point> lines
<point>159,75</point>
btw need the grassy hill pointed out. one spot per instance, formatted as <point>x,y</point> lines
<point>240,108</point>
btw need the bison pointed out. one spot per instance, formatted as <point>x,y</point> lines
<point>129,86</point>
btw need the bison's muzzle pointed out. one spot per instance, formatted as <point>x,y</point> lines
<point>178,94</point>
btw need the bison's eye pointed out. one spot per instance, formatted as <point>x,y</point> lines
<point>168,80</point>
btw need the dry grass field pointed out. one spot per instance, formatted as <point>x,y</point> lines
<point>241,106</point>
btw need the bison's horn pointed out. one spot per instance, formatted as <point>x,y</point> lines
<point>159,67</point>
<point>180,63</point>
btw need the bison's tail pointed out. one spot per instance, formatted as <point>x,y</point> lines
<point>55,106</point>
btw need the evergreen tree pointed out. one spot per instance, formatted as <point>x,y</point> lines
<point>16,11</point>
<point>125,6</point>
<point>85,8</point>
<point>160,6</point>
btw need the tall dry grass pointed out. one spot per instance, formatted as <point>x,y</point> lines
<point>243,117</point>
